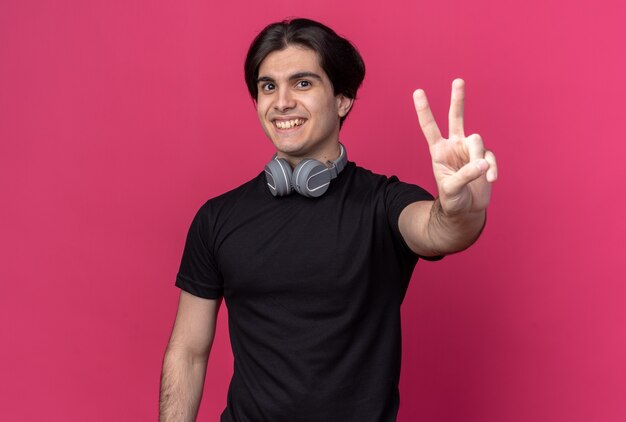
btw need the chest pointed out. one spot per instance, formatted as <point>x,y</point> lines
<point>298,247</point>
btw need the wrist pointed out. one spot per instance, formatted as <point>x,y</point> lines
<point>455,231</point>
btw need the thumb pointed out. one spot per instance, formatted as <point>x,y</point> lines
<point>466,174</point>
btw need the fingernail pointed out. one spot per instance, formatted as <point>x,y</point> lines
<point>482,165</point>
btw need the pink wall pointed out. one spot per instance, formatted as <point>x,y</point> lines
<point>118,117</point>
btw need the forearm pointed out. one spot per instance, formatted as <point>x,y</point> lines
<point>182,382</point>
<point>453,233</point>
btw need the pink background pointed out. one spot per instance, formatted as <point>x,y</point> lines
<point>118,119</point>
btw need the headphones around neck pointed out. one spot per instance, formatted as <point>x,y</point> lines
<point>310,178</point>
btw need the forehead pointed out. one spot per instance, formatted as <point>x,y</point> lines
<point>290,60</point>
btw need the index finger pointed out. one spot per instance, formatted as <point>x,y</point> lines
<point>425,117</point>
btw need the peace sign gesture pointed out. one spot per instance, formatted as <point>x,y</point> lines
<point>463,168</point>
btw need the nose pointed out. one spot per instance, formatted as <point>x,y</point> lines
<point>284,100</point>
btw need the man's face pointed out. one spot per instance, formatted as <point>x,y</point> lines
<point>296,105</point>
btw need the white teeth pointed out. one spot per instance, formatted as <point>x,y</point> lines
<point>288,124</point>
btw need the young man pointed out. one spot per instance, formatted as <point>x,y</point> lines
<point>314,255</point>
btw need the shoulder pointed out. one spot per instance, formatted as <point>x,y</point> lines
<point>243,194</point>
<point>366,178</point>
<point>359,171</point>
<point>252,186</point>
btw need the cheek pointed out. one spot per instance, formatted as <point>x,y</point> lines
<point>262,105</point>
<point>260,112</point>
<point>262,119</point>
<point>327,112</point>
<point>320,107</point>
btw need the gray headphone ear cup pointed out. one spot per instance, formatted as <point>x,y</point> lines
<point>278,177</point>
<point>311,178</point>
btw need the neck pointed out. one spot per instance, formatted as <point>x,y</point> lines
<point>324,155</point>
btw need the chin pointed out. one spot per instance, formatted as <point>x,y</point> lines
<point>291,147</point>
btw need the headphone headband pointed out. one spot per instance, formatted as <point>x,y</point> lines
<point>339,164</point>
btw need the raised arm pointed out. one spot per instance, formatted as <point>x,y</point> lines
<point>186,356</point>
<point>464,171</point>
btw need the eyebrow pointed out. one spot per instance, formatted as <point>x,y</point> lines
<point>293,77</point>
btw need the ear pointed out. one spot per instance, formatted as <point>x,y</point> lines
<point>344,104</point>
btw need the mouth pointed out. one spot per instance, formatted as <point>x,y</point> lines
<point>288,124</point>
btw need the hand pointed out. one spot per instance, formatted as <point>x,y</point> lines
<point>463,168</point>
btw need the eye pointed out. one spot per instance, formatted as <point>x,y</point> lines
<point>303,84</point>
<point>267,87</point>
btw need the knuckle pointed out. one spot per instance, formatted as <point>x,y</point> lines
<point>476,142</point>
<point>447,188</point>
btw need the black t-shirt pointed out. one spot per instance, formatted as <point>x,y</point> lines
<point>313,288</point>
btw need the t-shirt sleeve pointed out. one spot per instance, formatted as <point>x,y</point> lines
<point>199,273</point>
<point>397,196</point>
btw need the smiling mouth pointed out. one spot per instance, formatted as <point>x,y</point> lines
<point>288,124</point>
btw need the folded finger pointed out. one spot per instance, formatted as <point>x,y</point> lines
<point>492,173</point>
<point>466,174</point>
<point>475,147</point>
